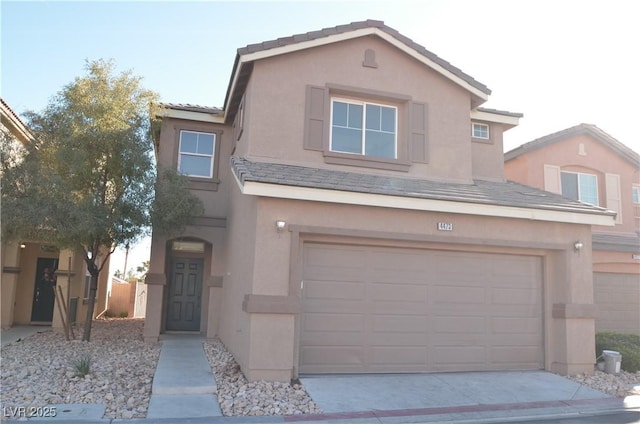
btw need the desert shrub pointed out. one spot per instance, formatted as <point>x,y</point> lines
<point>627,344</point>
<point>82,365</point>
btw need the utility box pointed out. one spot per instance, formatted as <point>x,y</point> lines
<point>612,361</point>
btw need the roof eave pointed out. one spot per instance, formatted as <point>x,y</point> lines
<point>433,205</point>
<point>479,93</point>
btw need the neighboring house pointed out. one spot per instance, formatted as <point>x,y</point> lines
<point>127,298</point>
<point>31,270</point>
<point>358,220</point>
<point>587,164</point>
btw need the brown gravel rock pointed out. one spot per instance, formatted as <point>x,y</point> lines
<point>39,371</point>
<point>237,396</point>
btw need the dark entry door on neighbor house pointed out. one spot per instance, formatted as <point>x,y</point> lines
<point>185,290</point>
<point>44,290</point>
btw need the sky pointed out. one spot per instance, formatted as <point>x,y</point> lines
<point>559,62</point>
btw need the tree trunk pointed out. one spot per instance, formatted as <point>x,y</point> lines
<point>93,289</point>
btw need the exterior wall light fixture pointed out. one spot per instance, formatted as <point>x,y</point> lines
<point>577,246</point>
<point>22,245</point>
<point>280,224</point>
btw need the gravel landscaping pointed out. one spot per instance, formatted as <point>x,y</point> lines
<point>39,371</point>
<point>237,396</point>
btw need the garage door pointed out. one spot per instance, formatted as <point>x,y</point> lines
<point>618,299</point>
<point>373,309</point>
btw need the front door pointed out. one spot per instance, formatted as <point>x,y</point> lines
<point>185,290</point>
<point>44,290</point>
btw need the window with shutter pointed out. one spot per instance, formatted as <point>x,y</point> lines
<point>360,127</point>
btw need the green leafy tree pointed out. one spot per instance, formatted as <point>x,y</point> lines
<point>88,182</point>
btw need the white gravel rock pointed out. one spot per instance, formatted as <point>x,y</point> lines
<point>38,370</point>
<point>620,385</point>
<point>238,397</point>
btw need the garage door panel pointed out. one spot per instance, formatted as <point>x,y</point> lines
<point>459,294</point>
<point>331,322</point>
<point>457,324</point>
<point>445,356</point>
<point>420,310</point>
<point>398,292</point>
<point>515,296</point>
<point>522,357</point>
<point>399,356</point>
<point>398,323</point>
<point>509,325</point>
<point>336,356</point>
<point>340,289</point>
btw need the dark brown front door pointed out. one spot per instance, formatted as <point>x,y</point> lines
<point>185,290</point>
<point>43,293</point>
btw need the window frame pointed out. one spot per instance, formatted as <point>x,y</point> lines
<point>635,194</point>
<point>200,183</point>
<point>364,104</point>
<point>578,174</point>
<point>473,133</point>
<point>211,156</point>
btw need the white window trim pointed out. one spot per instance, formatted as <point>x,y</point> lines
<point>473,124</point>
<point>211,156</point>
<point>364,118</point>
<point>635,188</point>
<point>579,194</point>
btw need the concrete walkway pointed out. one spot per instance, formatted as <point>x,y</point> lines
<point>183,385</point>
<point>20,332</point>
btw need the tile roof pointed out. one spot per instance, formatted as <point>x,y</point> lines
<point>589,129</point>
<point>616,242</point>
<point>481,192</point>
<point>370,23</point>
<point>192,108</point>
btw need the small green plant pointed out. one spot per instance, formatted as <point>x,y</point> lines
<point>627,344</point>
<point>123,314</point>
<point>82,365</point>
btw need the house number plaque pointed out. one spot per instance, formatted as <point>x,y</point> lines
<point>445,226</point>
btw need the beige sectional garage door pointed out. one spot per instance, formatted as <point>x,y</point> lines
<point>375,309</point>
<point>618,299</point>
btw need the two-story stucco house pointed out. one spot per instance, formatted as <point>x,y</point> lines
<point>587,164</point>
<point>31,270</point>
<point>358,220</point>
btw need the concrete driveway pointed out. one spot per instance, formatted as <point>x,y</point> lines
<point>454,393</point>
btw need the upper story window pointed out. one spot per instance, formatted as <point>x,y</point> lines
<point>479,130</point>
<point>579,186</point>
<point>196,153</point>
<point>364,128</point>
<point>635,194</point>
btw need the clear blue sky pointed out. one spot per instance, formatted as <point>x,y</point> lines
<point>559,62</point>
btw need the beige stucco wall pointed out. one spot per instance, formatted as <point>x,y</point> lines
<point>273,345</point>
<point>278,89</point>
<point>487,159</point>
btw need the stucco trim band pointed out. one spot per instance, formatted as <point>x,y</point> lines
<point>214,281</point>
<point>398,202</point>
<point>268,304</point>
<point>11,270</point>
<point>207,221</point>
<point>574,310</point>
<point>155,279</point>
